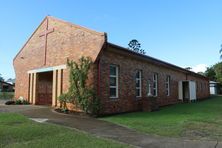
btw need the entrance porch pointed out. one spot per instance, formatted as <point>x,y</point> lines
<point>45,85</point>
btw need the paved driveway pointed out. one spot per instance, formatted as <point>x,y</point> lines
<point>105,129</point>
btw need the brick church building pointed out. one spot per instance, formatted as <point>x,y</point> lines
<point>124,80</point>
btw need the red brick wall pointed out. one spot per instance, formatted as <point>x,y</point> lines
<point>67,41</point>
<point>127,100</point>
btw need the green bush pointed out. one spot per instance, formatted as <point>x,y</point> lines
<point>18,102</point>
<point>6,95</point>
<point>21,102</point>
<point>82,94</point>
<point>63,99</point>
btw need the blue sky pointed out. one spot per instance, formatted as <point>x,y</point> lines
<point>182,32</point>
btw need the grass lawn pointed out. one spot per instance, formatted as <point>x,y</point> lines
<point>20,132</point>
<point>200,120</point>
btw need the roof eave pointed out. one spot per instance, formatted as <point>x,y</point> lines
<point>146,57</point>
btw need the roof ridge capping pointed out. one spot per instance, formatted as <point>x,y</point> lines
<point>157,60</point>
<point>75,25</point>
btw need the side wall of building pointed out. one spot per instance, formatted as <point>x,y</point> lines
<point>127,100</point>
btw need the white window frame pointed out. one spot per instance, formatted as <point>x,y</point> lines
<point>117,80</point>
<point>168,85</point>
<point>140,83</point>
<point>156,82</point>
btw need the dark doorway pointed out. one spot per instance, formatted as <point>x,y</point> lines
<point>186,93</point>
<point>44,88</point>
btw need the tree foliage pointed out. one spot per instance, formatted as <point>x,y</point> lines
<point>210,73</point>
<point>135,46</point>
<point>79,92</point>
<point>214,73</point>
<point>1,78</point>
<point>220,51</point>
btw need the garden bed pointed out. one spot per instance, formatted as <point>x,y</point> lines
<point>70,112</point>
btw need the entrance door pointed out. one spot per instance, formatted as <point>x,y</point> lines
<point>187,91</point>
<point>44,88</point>
<point>192,87</point>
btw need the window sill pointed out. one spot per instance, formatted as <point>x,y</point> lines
<point>113,100</point>
<point>138,98</point>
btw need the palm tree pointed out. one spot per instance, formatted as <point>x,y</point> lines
<point>220,51</point>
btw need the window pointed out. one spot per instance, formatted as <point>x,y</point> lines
<point>113,79</point>
<point>168,85</point>
<point>138,84</point>
<point>155,84</point>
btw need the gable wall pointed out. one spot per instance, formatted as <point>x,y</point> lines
<point>127,100</point>
<point>67,41</point>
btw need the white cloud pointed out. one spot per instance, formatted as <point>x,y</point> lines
<point>199,68</point>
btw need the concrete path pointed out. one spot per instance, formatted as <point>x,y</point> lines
<point>105,129</point>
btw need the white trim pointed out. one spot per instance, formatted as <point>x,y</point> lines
<point>117,80</point>
<point>155,81</point>
<point>140,83</point>
<point>46,69</point>
<point>168,85</point>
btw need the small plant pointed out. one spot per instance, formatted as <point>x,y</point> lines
<point>64,99</point>
<point>21,101</point>
<point>18,102</point>
<point>25,102</point>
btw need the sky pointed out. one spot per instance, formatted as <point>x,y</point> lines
<point>187,33</point>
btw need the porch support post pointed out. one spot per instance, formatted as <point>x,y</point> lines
<point>54,89</point>
<point>59,84</point>
<point>34,87</point>
<point>31,88</point>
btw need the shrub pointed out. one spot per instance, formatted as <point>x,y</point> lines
<point>18,102</point>
<point>63,99</point>
<point>21,101</point>
<point>80,93</point>
<point>10,102</point>
<point>6,95</point>
<point>25,102</point>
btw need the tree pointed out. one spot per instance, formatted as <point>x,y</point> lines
<point>1,78</point>
<point>135,46</point>
<point>79,92</point>
<point>201,73</point>
<point>188,68</point>
<point>210,73</point>
<point>220,51</point>
<point>218,72</point>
